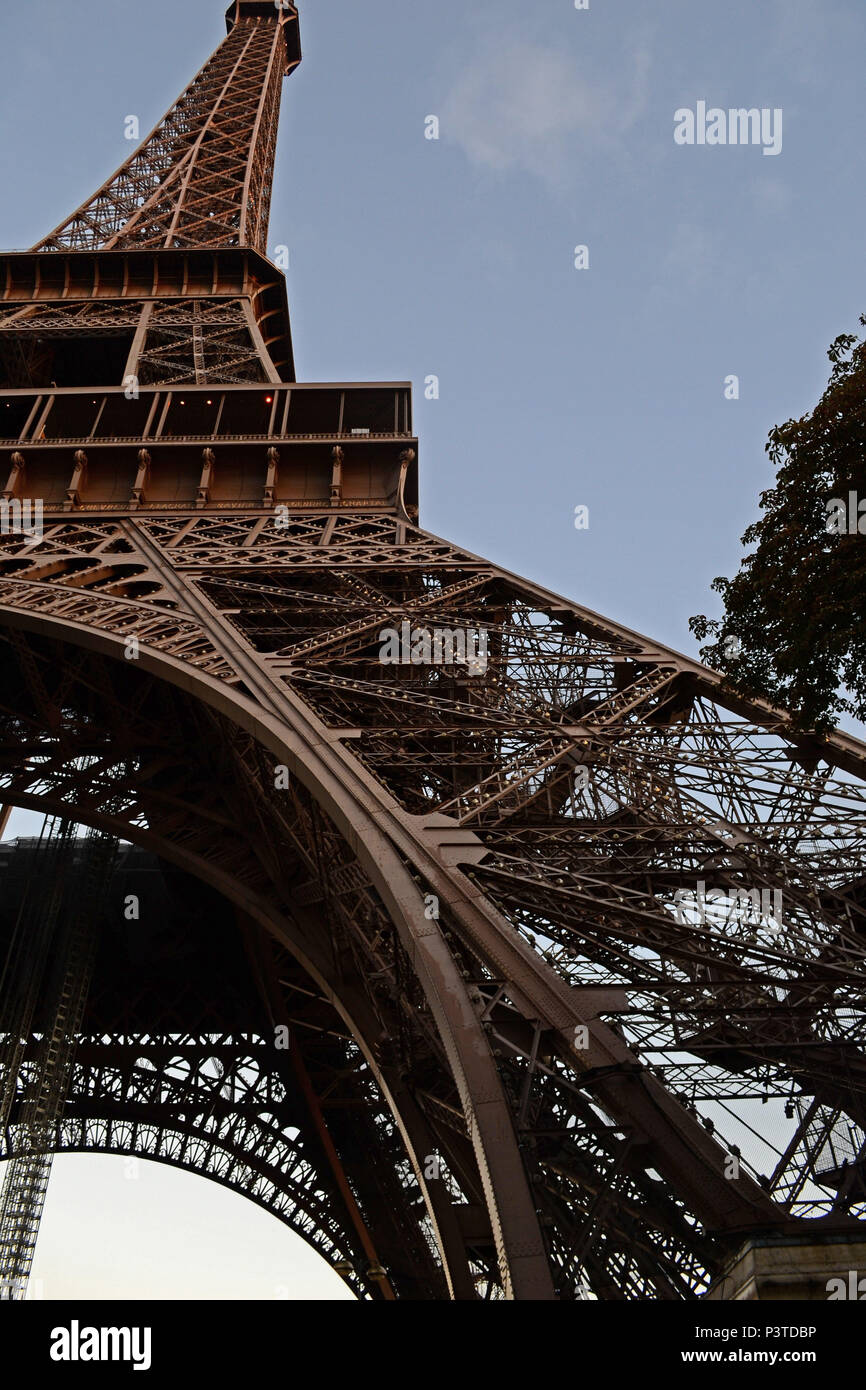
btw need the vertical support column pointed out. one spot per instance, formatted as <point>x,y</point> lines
<point>52,959</point>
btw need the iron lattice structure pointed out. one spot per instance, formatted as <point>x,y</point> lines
<point>45,983</point>
<point>528,1059</point>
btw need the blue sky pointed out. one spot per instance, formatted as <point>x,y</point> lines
<point>412,257</point>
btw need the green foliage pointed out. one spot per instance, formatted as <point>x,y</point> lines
<point>794,624</point>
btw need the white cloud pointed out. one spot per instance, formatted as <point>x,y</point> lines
<point>524,106</point>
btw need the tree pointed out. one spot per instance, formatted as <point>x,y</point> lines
<point>794,624</point>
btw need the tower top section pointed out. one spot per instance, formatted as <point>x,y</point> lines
<point>285,12</point>
<point>203,177</point>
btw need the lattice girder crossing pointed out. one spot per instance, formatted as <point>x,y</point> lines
<point>612,877</point>
<point>203,176</point>
<point>581,909</point>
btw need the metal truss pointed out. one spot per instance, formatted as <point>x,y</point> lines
<point>201,180</point>
<point>203,176</point>
<point>568,794</point>
<point>55,937</point>
<point>241,1107</point>
<point>575,931</point>
<point>196,1103</point>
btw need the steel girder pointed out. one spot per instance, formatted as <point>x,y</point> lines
<point>495,877</point>
<point>203,176</point>
<point>201,180</point>
<point>556,892</point>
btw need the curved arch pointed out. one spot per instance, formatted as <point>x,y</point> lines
<point>280,1196</point>
<point>522,1260</point>
<point>136,1072</point>
<point>225,665</point>
<point>85,1146</point>
<point>349,1006</point>
<point>387,841</point>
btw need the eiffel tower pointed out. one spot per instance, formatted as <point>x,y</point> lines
<point>497,950</point>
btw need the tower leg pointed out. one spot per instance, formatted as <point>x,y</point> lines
<point>59,917</point>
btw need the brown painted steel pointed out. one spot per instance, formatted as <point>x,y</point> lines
<point>478,873</point>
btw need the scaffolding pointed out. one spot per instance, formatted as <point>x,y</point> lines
<point>43,993</point>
